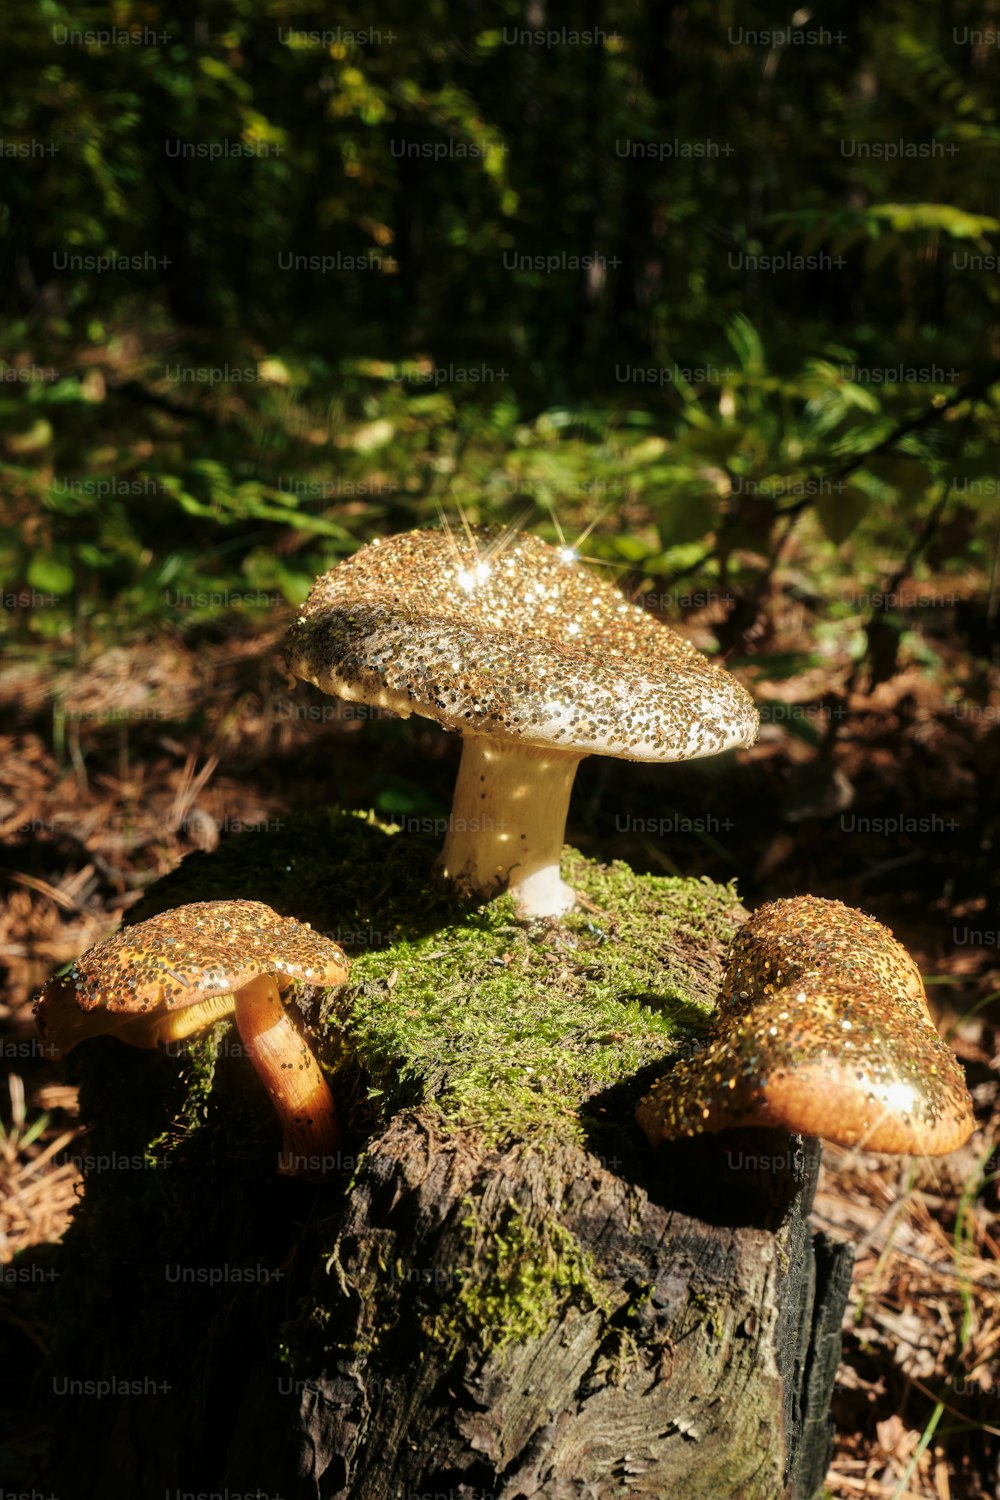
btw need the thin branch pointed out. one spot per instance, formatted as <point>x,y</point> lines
<point>978,386</point>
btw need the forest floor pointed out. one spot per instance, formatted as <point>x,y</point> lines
<point>120,761</point>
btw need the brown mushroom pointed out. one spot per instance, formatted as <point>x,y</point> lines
<point>822,1028</point>
<point>176,973</point>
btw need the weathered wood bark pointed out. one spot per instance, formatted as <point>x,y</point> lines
<point>473,1312</point>
<point>707,1373</point>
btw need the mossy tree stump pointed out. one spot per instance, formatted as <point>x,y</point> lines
<point>500,1290</point>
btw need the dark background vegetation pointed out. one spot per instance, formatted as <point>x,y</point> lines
<point>717,288</point>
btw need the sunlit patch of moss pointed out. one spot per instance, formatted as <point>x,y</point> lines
<point>514,1029</point>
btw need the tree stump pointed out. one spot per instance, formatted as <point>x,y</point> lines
<point>500,1290</point>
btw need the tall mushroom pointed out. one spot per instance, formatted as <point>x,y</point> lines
<point>178,972</point>
<point>822,1028</point>
<point>536,662</point>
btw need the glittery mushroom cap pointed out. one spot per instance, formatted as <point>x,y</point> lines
<point>822,1028</point>
<point>192,956</point>
<point>506,636</point>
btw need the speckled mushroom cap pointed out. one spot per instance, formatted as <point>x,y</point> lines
<point>178,959</point>
<point>822,1028</point>
<point>509,637</point>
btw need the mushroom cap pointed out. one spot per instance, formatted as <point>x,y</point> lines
<point>177,960</point>
<point>506,636</point>
<point>822,1028</point>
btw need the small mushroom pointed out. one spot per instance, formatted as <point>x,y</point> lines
<point>822,1028</point>
<point>536,662</point>
<point>168,977</point>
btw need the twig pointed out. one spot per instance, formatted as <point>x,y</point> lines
<point>928,414</point>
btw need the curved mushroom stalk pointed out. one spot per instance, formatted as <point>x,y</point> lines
<point>292,1076</point>
<point>508,823</point>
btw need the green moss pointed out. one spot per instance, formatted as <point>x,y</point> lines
<point>521,1277</point>
<point>511,1032</point>
<point>512,1038</point>
<point>198,1061</point>
<point>516,1030</point>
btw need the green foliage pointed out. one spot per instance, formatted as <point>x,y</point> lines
<point>792,271</point>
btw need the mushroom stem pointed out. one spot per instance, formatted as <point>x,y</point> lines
<point>508,822</point>
<point>292,1076</point>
